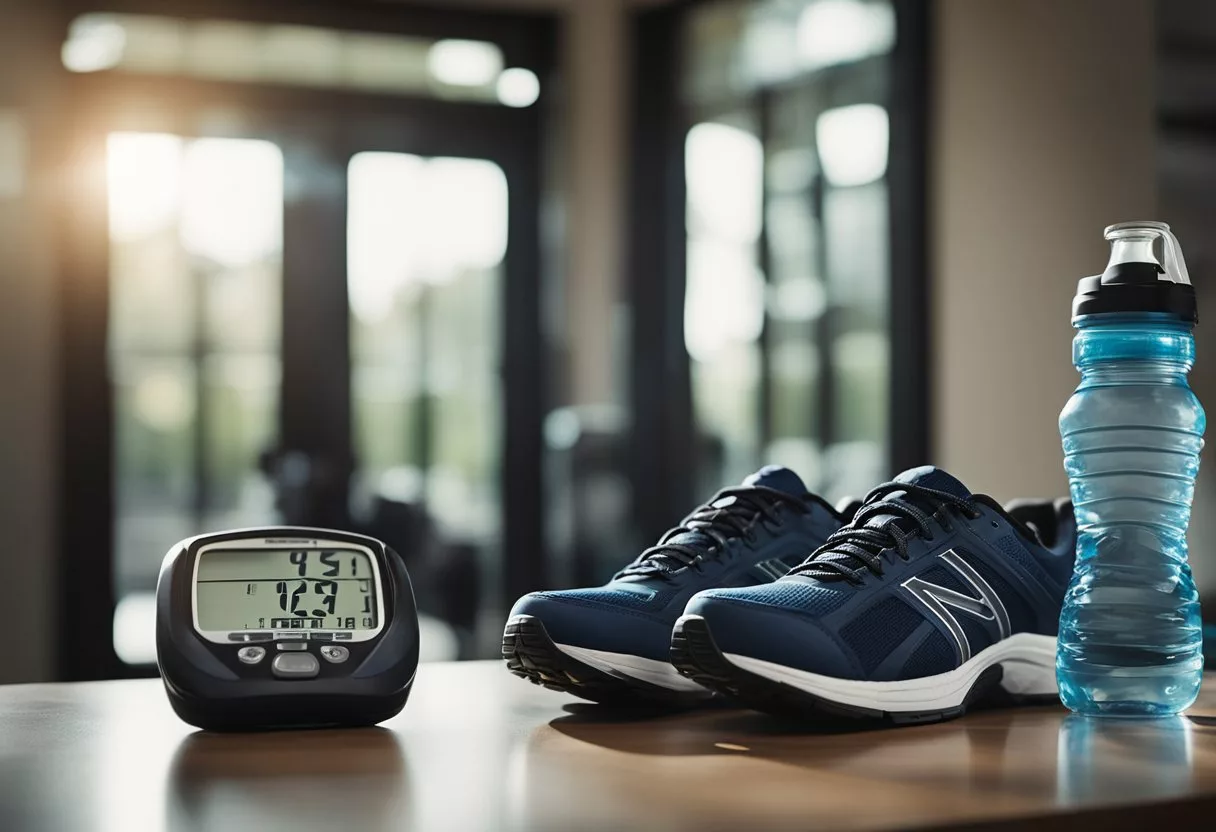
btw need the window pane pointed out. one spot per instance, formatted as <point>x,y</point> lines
<point>195,287</point>
<point>232,232</point>
<point>241,395</point>
<point>724,297</point>
<point>155,407</point>
<point>426,239</point>
<point>149,277</point>
<point>823,359</point>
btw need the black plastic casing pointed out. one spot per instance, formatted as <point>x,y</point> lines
<point>1134,287</point>
<point>209,687</point>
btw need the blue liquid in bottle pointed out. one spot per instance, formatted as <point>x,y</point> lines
<point>1130,641</point>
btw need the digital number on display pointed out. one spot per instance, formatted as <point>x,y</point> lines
<point>282,590</point>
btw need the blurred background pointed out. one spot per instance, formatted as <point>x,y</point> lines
<point>513,284</point>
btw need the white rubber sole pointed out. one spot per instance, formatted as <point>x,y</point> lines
<point>1028,663</point>
<point>661,674</point>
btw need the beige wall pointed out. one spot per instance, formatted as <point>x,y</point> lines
<point>594,55</point>
<point>1043,133</point>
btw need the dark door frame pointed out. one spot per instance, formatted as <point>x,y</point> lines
<point>514,139</point>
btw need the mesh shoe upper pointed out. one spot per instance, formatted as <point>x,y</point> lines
<point>744,537</point>
<point>925,576</point>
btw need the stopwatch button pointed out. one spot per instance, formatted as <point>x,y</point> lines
<point>251,655</point>
<point>295,666</point>
<point>335,653</point>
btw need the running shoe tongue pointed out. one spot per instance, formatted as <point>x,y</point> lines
<point>928,476</point>
<point>770,476</point>
<point>925,476</point>
<point>777,478</point>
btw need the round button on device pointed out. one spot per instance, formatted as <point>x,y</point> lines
<point>335,653</point>
<point>251,655</point>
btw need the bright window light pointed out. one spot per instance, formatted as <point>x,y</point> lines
<point>517,87</point>
<point>383,205</point>
<point>466,201</point>
<point>164,401</point>
<point>724,169</point>
<point>724,300</point>
<point>837,31</point>
<point>143,182</point>
<point>853,144</point>
<point>232,206</point>
<point>95,42</point>
<point>135,628</point>
<point>464,63</point>
<point>412,220</point>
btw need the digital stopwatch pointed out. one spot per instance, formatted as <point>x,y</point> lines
<point>285,627</point>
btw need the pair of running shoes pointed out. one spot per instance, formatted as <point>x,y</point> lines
<point>908,606</point>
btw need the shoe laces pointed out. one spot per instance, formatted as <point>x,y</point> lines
<point>730,515</point>
<point>856,548</point>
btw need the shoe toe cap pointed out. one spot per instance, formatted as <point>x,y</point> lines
<point>749,623</point>
<point>598,620</point>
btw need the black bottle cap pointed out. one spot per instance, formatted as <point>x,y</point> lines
<point>1099,294</point>
<point>1134,281</point>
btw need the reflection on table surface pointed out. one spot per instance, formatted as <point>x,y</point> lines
<point>478,749</point>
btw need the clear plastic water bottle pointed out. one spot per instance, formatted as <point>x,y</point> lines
<point>1131,640</point>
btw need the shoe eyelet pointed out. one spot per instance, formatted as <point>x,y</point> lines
<point>995,525</point>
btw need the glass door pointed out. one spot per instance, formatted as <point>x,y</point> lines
<point>196,242</point>
<point>310,306</point>
<point>426,244</point>
<point>778,277</point>
<point>789,309</point>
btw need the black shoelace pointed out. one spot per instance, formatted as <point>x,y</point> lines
<point>709,530</point>
<point>855,548</point>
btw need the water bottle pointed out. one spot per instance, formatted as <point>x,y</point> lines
<point>1130,641</point>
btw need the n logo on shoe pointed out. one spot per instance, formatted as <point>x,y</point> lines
<point>941,601</point>
<point>771,570</point>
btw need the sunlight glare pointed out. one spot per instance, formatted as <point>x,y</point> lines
<point>464,63</point>
<point>232,200</point>
<point>724,301</point>
<point>95,42</point>
<point>413,220</point>
<point>517,87</point>
<point>143,181</point>
<point>853,144</point>
<point>839,31</point>
<point>724,167</point>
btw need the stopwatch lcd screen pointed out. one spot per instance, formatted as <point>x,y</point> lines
<point>285,589</point>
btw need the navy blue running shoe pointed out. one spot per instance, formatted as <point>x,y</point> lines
<point>610,644</point>
<point>930,599</point>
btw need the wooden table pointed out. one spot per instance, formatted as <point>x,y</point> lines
<point>479,749</point>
